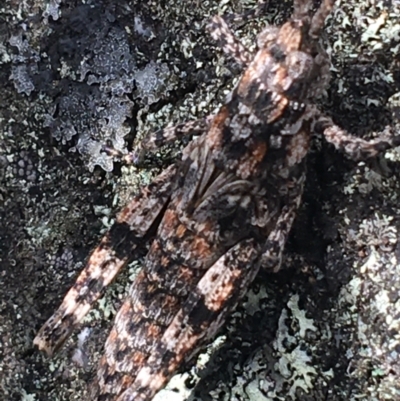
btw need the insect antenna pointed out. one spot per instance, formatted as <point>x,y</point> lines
<point>318,20</point>
<point>301,8</point>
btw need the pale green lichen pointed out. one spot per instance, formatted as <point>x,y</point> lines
<point>300,315</point>
<point>294,364</point>
<point>27,397</point>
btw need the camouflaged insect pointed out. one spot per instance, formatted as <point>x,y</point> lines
<point>218,215</point>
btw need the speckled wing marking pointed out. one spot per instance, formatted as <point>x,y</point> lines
<point>149,342</point>
<point>198,320</point>
<point>182,259</point>
<point>132,226</point>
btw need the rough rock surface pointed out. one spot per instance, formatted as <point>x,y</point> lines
<point>80,75</point>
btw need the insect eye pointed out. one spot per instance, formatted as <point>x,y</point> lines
<point>267,37</point>
<point>299,65</point>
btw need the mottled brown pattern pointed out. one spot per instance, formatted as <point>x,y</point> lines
<point>223,211</point>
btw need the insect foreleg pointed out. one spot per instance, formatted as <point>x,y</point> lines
<point>353,147</point>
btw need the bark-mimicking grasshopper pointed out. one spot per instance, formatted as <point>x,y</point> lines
<point>219,214</point>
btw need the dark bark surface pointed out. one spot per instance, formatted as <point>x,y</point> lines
<point>75,77</point>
